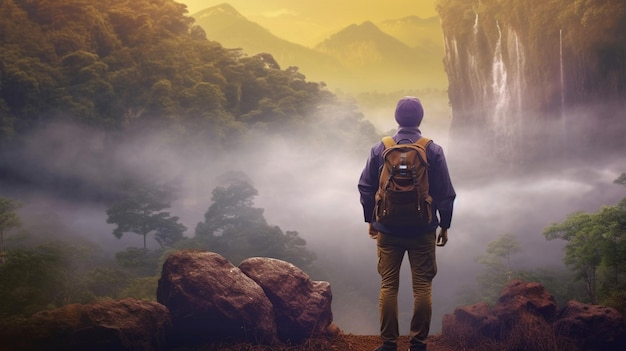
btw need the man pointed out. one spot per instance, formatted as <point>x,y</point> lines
<point>417,240</point>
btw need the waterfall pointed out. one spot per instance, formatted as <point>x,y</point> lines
<point>476,81</point>
<point>452,58</point>
<point>508,81</point>
<point>501,98</point>
<point>517,85</point>
<point>563,125</point>
<point>520,77</point>
<point>475,24</point>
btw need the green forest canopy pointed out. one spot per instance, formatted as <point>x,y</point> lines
<point>126,65</point>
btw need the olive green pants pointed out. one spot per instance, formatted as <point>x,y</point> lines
<point>421,252</point>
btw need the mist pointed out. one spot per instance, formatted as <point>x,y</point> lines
<point>311,189</point>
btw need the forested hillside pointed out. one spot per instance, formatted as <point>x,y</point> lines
<point>130,68</point>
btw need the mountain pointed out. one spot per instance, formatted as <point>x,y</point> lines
<point>225,25</point>
<point>383,62</point>
<point>356,59</point>
<point>415,31</point>
<point>365,45</point>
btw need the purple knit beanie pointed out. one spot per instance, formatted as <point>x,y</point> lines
<point>409,112</point>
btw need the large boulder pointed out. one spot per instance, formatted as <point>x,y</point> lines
<point>302,307</point>
<point>471,322</point>
<point>522,307</point>
<point>526,317</point>
<point>210,300</point>
<point>126,324</point>
<point>592,326</point>
<point>519,297</point>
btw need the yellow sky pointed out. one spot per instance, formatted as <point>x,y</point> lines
<point>308,22</point>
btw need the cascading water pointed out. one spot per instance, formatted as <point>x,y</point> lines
<point>475,75</point>
<point>517,53</point>
<point>500,100</point>
<point>507,90</point>
<point>494,84</point>
<point>563,124</point>
<point>475,23</point>
<point>452,58</point>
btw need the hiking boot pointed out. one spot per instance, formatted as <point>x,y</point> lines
<point>418,348</point>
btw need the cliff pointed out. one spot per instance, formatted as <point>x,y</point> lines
<point>535,79</point>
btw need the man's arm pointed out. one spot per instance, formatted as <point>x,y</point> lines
<point>441,188</point>
<point>368,185</point>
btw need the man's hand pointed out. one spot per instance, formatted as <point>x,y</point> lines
<point>442,238</point>
<point>373,232</point>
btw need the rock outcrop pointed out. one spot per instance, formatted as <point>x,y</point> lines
<point>203,300</point>
<point>126,324</point>
<point>211,299</point>
<point>591,326</point>
<point>302,307</point>
<point>526,317</point>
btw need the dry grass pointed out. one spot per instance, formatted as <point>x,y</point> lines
<point>527,334</point>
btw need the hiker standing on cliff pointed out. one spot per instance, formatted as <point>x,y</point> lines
<point>416,237</point>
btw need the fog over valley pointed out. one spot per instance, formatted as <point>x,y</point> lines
<point>311,190</point>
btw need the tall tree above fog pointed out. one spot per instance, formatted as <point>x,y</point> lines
<point>142,212</point>
<point>498,270</point>
<point>235,229</point>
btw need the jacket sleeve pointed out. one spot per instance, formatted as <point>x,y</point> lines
<point>441,188</point>
<point>368,183</point>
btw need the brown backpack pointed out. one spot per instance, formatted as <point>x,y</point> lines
<point>402,198</point>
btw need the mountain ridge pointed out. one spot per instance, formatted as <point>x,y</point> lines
<point>416,31</point>
<point>365,44</point>
<point>227,26</point>
<point>355,59</point>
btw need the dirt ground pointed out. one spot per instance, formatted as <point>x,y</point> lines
<point>370,343</point>
<point>342,342</point>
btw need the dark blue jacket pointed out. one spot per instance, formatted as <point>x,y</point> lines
<point>441,188</point>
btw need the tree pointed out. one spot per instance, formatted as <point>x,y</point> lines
<point>596,243</point>
<point>621,179</point>
<point>504,248</point>
<point>498,266</point>
<point>48,275</point>
<point>231,208</point>
<point>73,260</point>
<point>142,213</point>
<point>613,264</point>
<point>583,252</point>
<point>235,229</point>
<point>9,219</point>
<point>27,278</point>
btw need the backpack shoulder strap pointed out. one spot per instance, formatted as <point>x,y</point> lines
<point>423,142</point>
<point>388,141</point>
